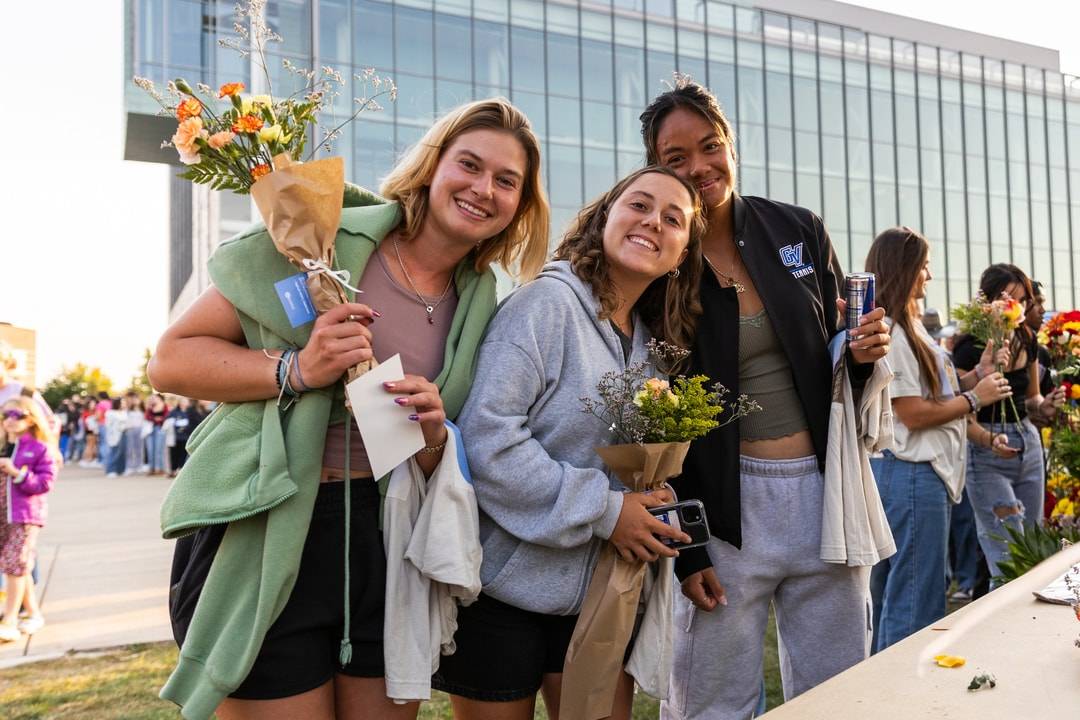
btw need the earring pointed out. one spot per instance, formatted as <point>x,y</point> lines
<point>674,273</point>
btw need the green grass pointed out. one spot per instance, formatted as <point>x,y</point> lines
<point>122,684</point>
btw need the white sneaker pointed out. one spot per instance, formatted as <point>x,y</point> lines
<point>112,474</point>
<point>32,624</point>
<point>9,633</point>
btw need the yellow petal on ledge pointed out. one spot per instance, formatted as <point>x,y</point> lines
<point>949,661</point>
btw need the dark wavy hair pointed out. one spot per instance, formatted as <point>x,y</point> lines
<point>684,94</point>
<point>670,306</point>
<point>896,257</point>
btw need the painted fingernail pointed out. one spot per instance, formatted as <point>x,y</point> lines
<point>414,418</point>
<point>723,601</point>
<point>389,385</point>
<point>376,313</point>
<point>401,401</point>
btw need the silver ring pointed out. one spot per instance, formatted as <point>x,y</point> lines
<point>352,318</point>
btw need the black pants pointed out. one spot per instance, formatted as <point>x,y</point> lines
<point>300,651</point>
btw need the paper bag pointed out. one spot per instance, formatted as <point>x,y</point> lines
<point>300,204</point>
<point>602,633</point>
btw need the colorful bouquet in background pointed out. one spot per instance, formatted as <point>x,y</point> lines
<point>654,422</point>
<point>1061,337</point>
<point>1063,490</point>
<point>992,321</point>
<point>255,144</point>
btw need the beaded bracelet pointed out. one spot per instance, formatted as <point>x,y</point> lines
<point>304,387</point>
<point>973,400</point>
<point>432,449</point>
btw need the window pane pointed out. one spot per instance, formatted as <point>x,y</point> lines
<point>562,65</point>
<point>413,30</point>
<point>374,28</point>
<point>491,53</point>
<point>597,68</point>
<point>779,99</point>
<point>527,47</point>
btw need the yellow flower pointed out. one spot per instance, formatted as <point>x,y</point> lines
<point>673,399</point>
<point>1064,508</point>
<point>272,133</point>
<point>949,661</point>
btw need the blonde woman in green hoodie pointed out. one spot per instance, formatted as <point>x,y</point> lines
<point>276,616</point>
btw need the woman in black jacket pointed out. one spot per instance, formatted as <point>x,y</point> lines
<point>770,309</point>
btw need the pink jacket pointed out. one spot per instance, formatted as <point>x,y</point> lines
<point>26,502</point>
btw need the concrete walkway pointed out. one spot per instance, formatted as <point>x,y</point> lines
<point>104,569</point>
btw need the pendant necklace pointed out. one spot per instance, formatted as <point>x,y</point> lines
<point>429,306</point>
<point>729,279</point>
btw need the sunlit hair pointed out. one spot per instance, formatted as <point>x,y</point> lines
<point>684,93</point>
<point>896,258</point>
<point>524,241</point>
<point>995,280</point>
<point>669,306</point>
<point>39,424</point>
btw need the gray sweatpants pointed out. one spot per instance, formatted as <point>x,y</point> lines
<point>822,610</point>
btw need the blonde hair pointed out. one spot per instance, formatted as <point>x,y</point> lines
<point>39,424</point>
<point>525,239</point>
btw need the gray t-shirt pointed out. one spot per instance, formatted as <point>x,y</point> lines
<point>403,329</point>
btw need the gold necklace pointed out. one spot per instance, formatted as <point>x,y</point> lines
<point>729,279</point>
<point>428,304</point>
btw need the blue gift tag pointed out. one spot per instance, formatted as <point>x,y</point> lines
<point>294,297</point>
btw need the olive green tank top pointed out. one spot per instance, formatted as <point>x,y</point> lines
<point>765,375</point>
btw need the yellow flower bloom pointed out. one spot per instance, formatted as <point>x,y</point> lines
<point>1064,508</point>
<point>271,133</point>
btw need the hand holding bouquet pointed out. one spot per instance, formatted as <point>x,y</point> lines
<point>255,144</point>
<point>992,322</point>
<point>654,421</point>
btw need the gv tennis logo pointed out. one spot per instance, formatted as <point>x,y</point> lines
<point>791,255</point>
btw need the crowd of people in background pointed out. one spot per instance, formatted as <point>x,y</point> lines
<point>128,434</point>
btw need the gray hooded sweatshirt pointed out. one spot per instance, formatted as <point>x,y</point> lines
<point>547,503</point>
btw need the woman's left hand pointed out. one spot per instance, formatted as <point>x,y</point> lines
<point>422,397</point>
<point>7,467</point>
<point>872,342</point>
<point>1052,402</point>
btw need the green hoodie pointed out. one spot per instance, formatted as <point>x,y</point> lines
<point>256,466</point>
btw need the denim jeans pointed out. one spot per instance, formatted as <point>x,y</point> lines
<point>155,449</point>
<point>908,589</point>
<point>115,462</point>
<point>135,458</point>
<point>963,544</point>
<point>997,484</point>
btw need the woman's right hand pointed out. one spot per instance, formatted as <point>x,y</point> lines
<point>704,590</point>
<point>339,340</point>
<point>999,445</point>
<point>991,359</point>
<point>992,388</point>
<point>634,536</point>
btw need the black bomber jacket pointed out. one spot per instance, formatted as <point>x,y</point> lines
<point>790,259</point>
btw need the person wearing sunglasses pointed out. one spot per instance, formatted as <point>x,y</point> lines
<point>27,477</point>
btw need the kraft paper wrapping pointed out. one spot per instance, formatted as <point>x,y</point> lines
<point>300,204</point>
<point>594,658</point>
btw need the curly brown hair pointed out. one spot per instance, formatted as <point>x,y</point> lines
<point>670,305</point>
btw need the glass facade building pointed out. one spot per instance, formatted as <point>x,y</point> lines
<point>981,152</point>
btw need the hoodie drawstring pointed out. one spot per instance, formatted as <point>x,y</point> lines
<point>345,654</point>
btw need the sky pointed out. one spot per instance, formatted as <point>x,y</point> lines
<point>84,233</point>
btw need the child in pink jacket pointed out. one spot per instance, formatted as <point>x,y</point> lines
<point>25,479</point>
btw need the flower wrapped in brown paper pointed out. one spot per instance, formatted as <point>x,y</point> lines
<point>300,204</point>
<point>594,658</point>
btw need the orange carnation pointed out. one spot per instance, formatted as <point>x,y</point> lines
<point>247,124</point>
<point>230,89</point>
<point>188,108</point>
<point>259,170</point>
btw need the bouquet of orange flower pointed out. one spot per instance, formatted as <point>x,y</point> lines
<point>255,144</point>
<point>992,321</point>
<point>1061,337</point>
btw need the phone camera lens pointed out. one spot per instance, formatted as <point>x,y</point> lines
<point>692,515</point>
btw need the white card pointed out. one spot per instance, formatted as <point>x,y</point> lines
<point>390,437</point>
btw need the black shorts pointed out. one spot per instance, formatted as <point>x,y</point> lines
<point>300,651</point>
<point>503,652</point>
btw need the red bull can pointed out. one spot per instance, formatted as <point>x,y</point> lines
<point>859,294</point>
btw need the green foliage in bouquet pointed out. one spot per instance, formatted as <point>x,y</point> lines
<point>1030,547</point>
<point>643,409</point>
<point>683,412</point>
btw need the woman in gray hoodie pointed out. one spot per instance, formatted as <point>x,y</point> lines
<point>627,270</point>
